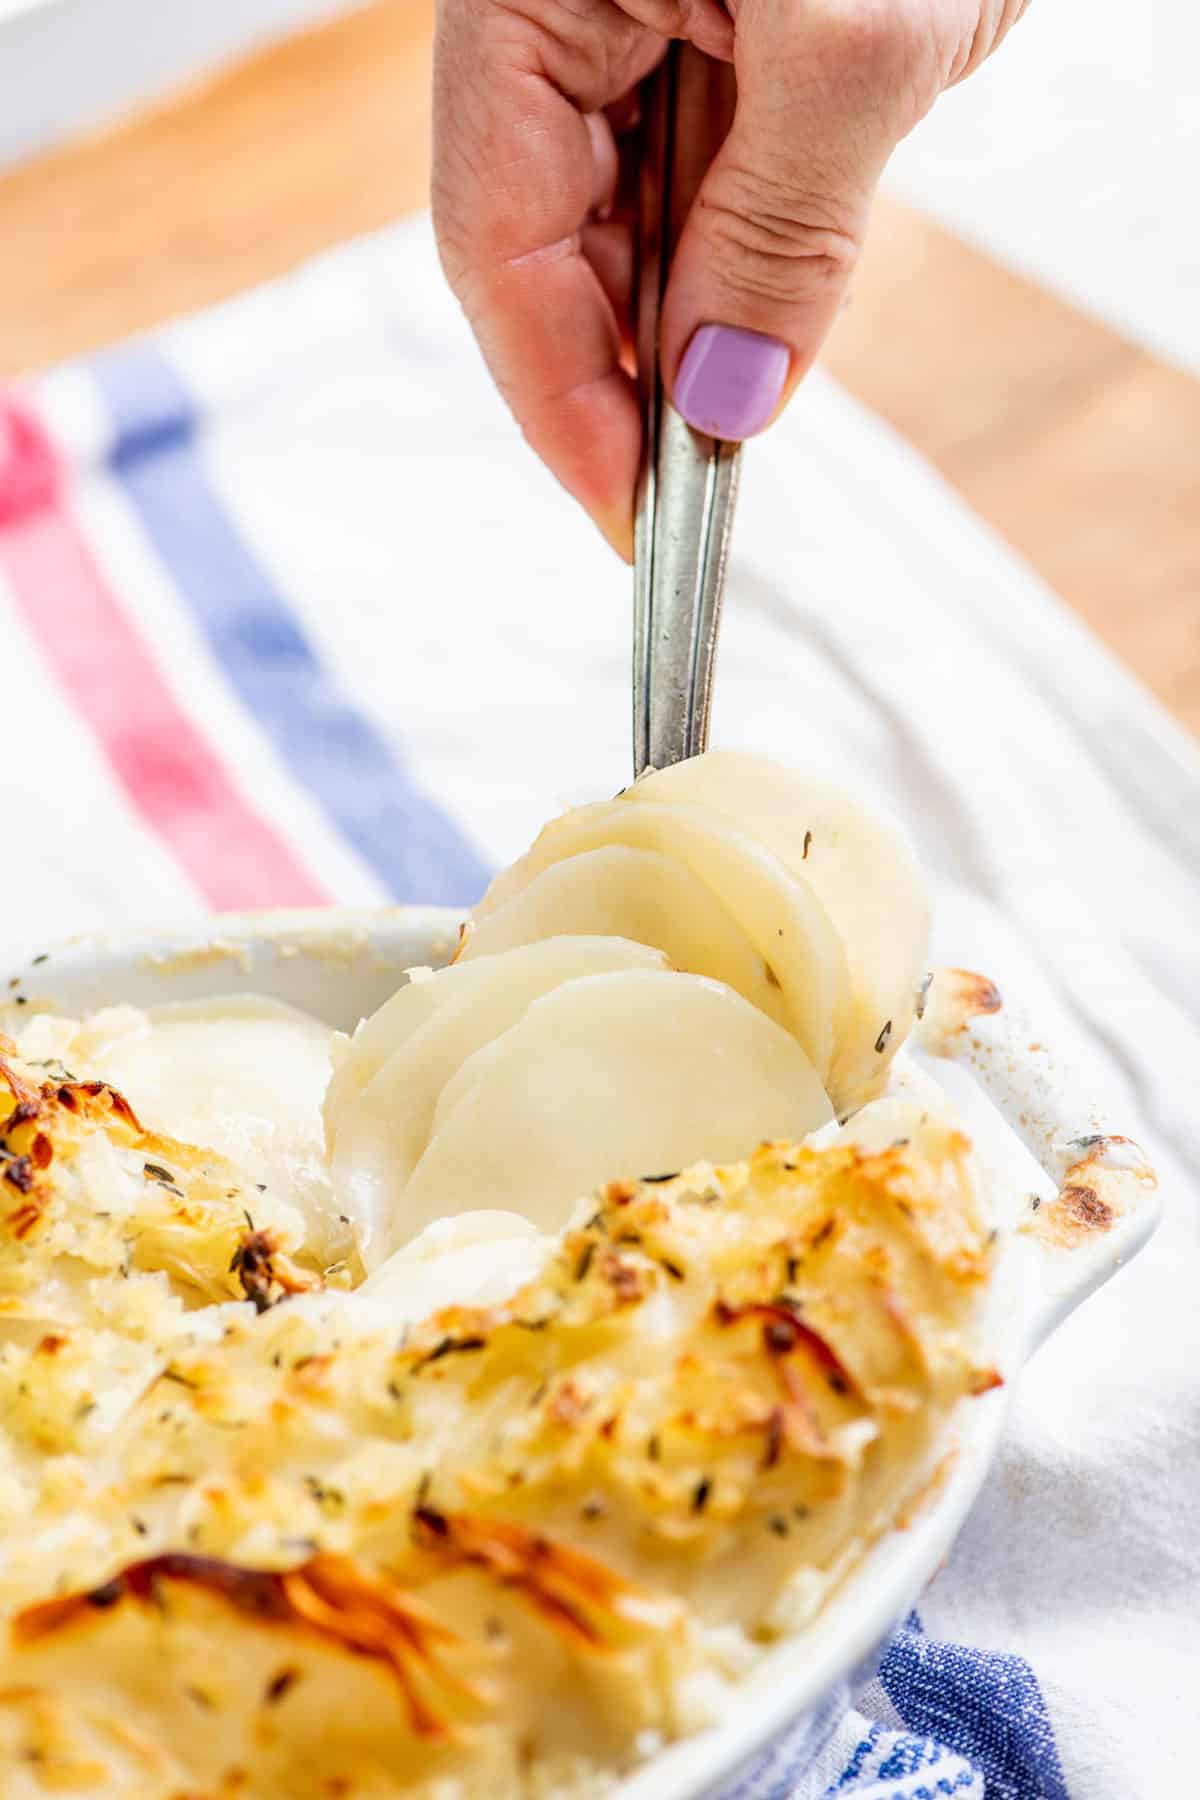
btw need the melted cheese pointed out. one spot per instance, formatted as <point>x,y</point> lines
<point>378,1543</point>
<point>244,1076</point>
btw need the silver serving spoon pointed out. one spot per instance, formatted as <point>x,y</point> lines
<point>688,484</point>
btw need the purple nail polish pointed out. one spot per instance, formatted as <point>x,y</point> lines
<point>730,381</point>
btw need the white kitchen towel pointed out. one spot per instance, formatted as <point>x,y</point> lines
<point>289,613</point>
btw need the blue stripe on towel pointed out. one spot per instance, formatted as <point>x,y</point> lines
<point>329,747</point>
<point>987,1706</point>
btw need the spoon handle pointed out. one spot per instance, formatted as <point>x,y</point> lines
<point>688,484</point>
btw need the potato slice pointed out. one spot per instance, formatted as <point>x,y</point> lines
<point>636,1073</point>
<point>779,913</point>
<point>477,1259</point>
<point>858,863</point>
<point>358,1060</point>
<point>379,1111</point>
<point>243,1075</point>
<point>639,894</point>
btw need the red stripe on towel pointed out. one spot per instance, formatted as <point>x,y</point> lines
<point>170,773</point>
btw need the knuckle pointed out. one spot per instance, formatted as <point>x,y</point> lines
<point>993,25</point>
<point>776,247</point>
<point>883,56</point>
<point>588,51</point>
<point>872,32</point>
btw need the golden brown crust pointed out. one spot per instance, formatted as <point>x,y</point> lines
<point>329,1597</point>
<point>537,1523</point>
<point>179,1209</point>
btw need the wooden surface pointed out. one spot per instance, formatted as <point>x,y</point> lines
<point>1081,449</point>
<point>232,182</point>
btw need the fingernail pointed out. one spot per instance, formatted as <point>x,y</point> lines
<point>617,526</point>
<point>730,381</point>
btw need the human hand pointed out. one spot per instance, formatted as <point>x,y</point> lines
<point>532,154</point>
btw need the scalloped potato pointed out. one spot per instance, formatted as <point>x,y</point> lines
<point>625,1392</point>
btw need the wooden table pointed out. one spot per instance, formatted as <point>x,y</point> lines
<point>1081,449</point>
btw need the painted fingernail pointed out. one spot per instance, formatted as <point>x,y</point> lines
<point>730,381</point>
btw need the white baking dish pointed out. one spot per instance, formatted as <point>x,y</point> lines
<point>1073,1201</point>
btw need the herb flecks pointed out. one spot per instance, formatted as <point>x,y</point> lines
<point>452,1346</point>
<point>329,1499</point>
<point>19,1171</point>
<point>279,1685</point>
<point>266,1275</point>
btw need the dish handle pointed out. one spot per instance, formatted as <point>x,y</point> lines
<point>1107,1204</point>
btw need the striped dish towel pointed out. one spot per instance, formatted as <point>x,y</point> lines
<point>289,615</point>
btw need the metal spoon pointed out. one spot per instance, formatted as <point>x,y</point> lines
<point>688,484</point>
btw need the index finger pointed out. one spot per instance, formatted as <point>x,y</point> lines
<point>514,182</point>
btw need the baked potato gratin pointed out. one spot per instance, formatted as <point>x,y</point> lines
<point>342,1458</point>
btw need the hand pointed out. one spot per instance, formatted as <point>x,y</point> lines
<point>532,151</point>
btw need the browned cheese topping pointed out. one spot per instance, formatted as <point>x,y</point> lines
<point>257,1541</point>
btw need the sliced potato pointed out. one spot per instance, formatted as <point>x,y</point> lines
<point>779,913</point>
<point>640,894</point>
<point>781,889</point>
<point>380,1107</point>
<point>243,1075</point>
<point>636,1073</point>
<point>858,863</point>
<point>477,1259</point>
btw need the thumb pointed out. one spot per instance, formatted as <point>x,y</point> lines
<point>826,89</point>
